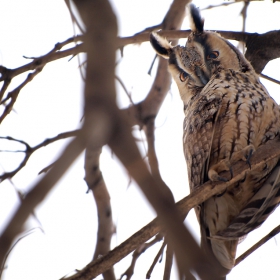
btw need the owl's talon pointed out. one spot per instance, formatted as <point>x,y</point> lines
<point>249,157</point>
<point>223,165</point>
<point>231,172</point>
<point>221,194</point>
<point>223,179</point>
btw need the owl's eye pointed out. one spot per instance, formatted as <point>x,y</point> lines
<point>183,76</point>
<point>213,55</point>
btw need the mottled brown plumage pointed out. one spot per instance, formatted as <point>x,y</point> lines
<point>228,115</point>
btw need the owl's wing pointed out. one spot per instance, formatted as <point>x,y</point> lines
<point>199,128</point>
<point>261,205</point>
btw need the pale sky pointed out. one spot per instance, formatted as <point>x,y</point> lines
<point>52,103</point>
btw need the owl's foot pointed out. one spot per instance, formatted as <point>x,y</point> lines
<point>245,154</point>
<point>225,165</point>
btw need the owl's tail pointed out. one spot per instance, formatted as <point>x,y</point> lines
<point>225,251</point>
<point>261,205</point>
<point>220,253</point>
<point>224,242</point>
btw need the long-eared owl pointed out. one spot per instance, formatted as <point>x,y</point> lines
<point>228,115</point>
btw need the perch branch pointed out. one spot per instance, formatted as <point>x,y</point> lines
<point>263,154</point>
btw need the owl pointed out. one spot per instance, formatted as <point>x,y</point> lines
<point>228,115</point>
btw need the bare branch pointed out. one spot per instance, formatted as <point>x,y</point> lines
<point>125,89</point>
<point>40,62</point>
<point>96,184</point>
<point>12,96</point>
<point>137,253</point>
<point>216,6</point>
<point>269,78</point>
<point>30,150</point>
<point>159,254</point>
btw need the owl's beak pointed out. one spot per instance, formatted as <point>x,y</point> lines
<point>201,75</point>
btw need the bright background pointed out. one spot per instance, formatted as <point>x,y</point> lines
<point>64,240</point>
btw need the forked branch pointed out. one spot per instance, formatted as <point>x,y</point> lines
<point>30,150</point>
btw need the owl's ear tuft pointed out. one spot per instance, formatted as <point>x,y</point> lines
<point>196,21</point>
<point>161,45</point>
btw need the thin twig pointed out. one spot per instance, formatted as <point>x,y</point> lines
<point>217,6</point>
<point>137,253</point>
<point>30,150</point>
<point>274,232</point>
<point>125,89</point>
<point>14,94</point>
<point>73,18</point>
<point>156,259</point>
<point>269,78</point>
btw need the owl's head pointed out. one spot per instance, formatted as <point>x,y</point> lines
<point>205,52</point>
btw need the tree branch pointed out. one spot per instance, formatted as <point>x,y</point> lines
<point>137,253</point>
<point>96,184</point>
<point>30,150</point>
<point>241,258</point>
<point>156,259</point>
